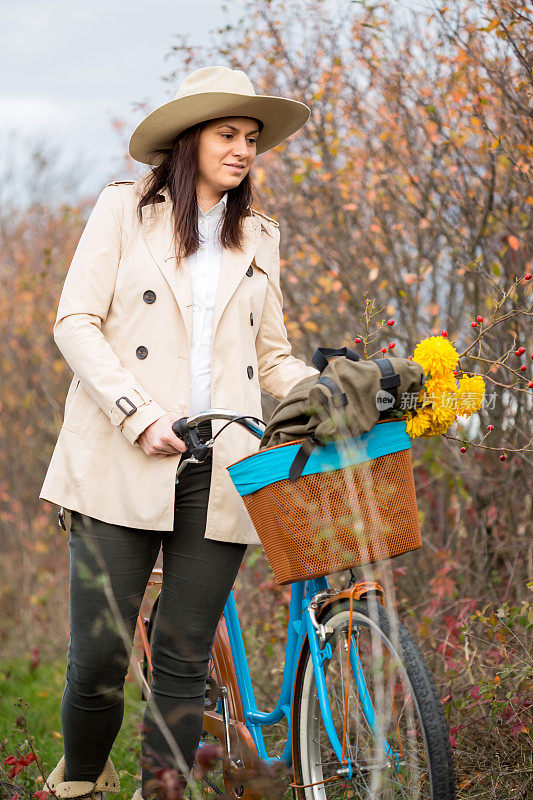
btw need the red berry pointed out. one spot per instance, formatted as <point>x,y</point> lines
<point>391,345</point>
<point>383,349</point>
<point>528,276</point>
<point>390,322</point>
<point>523,367</point>
<point>530,385</point>
<point>463,449</point>
<point>532,356</point>
<point>444,333</point>
<point>473,324</point>
<point>357,340</point>
<point>490,427</point>
<point>409,358</point>
<point>520,351</point>
<point>479,318</point>
<point>503,457</point>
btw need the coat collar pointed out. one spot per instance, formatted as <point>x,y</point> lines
<point>158,234</point>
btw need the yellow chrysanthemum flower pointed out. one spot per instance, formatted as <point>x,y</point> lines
<point>442,394</point>
<point>470,394</point>
<point>439,408</point>
<point>439,388</point>
<point>436,355</point>
<point>442,399</point>
<point>440,420</point>
<point>418,423</point>
<point>435,430</point>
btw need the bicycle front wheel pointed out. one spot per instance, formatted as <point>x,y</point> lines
<point>396,736</point>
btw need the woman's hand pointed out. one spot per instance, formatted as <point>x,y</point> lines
<point>159,440</point>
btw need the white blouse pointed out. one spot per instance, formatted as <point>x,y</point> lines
<point>204,266</point>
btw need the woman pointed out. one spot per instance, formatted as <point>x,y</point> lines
<point>171,305</point>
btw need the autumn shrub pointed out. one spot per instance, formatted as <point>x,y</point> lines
<point>411,181</point>
<point>36,244</point>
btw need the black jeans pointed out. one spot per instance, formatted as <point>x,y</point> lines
<point>116,561</point>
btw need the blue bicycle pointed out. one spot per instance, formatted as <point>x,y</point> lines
<point>365,720</point>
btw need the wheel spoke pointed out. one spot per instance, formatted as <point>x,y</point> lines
<point>385,736</point>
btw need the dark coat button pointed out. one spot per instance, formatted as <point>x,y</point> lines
<point>141,351</point>
<point>250,271</point>
<point>250,371</point>
<point>251,318</point>
<point>149,296</point>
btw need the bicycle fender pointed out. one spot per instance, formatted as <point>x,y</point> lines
<point>359,592</point>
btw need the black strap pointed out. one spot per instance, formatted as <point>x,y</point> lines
<point>322,355</point>
<point>301,457</point>
<point>337,399</point>
<point>389,381</point>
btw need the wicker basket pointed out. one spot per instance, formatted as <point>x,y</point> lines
<point>330,519</point>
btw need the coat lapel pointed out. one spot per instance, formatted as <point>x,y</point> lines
<point>234,265</point>
<point>159,237</point>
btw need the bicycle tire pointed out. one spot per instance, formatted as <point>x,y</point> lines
<point>421,715</point>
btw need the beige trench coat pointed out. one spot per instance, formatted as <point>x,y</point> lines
<point>119,345</point>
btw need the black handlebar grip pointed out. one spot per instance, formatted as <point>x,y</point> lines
<point>181,428</point>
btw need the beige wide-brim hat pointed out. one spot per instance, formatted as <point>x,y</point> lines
<point>210,93</point>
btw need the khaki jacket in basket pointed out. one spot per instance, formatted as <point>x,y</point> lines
<point>124,326</point>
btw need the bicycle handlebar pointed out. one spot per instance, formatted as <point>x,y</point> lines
<point>186,429</point>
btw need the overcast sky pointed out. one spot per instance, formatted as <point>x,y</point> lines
<point>67,67</point>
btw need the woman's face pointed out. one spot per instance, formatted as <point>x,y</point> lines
<point>223,143</point>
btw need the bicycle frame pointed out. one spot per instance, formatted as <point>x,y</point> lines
<point>302,625</point>
<point>229,646</point>
<point>297,630</point>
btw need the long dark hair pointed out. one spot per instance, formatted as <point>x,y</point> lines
<point>178,171</point>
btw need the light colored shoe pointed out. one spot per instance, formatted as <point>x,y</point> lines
<point>106,782</point>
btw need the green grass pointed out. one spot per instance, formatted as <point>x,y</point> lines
<point>36,694</point>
